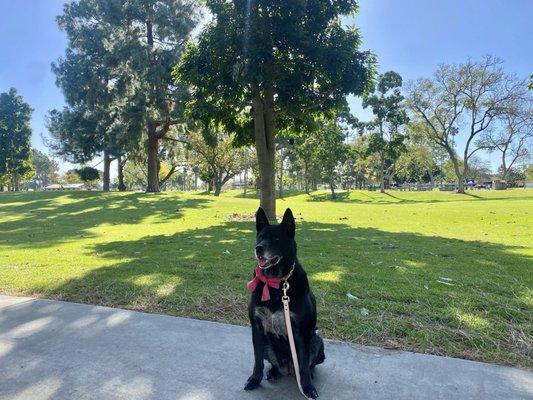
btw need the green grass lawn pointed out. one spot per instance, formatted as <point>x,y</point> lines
<point>431,272</point>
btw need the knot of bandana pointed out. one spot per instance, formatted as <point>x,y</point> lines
<point>260,277</point>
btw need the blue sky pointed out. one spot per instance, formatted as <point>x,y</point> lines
<point>411,37</point>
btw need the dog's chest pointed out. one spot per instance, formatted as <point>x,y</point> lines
<point>273,322</point>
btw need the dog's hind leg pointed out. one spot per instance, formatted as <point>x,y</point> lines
<point>317,351</point>
<point>273,373</point>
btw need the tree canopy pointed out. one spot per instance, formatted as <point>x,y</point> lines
<point>116,76</point>
<point>260,66</point>
<point>390,115</point>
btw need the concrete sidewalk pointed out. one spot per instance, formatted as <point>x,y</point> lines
<point>58,350</point>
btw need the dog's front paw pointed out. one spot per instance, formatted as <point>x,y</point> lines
<point>252,383</point>
<point>310,392</point>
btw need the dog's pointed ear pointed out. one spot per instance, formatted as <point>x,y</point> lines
<point>288,222</point>
<point>261,219</point>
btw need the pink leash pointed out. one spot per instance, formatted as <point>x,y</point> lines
<point>287,313</point>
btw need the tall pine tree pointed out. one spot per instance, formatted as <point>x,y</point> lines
<point>116,74</point>
<point>15,139</point>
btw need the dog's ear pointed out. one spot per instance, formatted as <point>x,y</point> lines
<point>261,219</point>
<point>288,222</point>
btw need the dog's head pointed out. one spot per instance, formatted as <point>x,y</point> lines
<point>275,248</point>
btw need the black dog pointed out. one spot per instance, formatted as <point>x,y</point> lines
<point>276,257</point>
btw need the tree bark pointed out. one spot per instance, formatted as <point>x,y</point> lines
<point>382,174</point>
<point>218,187</point>
<point>306,179</point>
<point>153,162</point>
<point>120,173</point>
<point>245,181</point>
<point>106,176</point>
<point>153,139</point>
<point>332,188</point>
<point>281,174</point>
<point>264,131</point>
<point>460,177</point>
<point>16,182</point>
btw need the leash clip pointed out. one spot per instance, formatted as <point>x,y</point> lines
<point>285,287</point>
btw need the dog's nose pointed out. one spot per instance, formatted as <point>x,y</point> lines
<point>259,250</point>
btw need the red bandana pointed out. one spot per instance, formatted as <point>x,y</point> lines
<point>260,277</point>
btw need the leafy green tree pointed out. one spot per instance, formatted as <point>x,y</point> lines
<point>416,164</point>
<point>513,176</point>
<point>217,158</point>
<point>117,74</point>
<point>305,152</point>
<point>71,176</point>
<point>330,152</point>
<point>261,66</point>
<point>390,115</point>
<point>464,100</point>
<point>88,174</point>
<point>135,174</point>
<point>528,172</point>
<point>15,139</point>
<point>46,170</point>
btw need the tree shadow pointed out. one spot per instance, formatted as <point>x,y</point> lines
<point>58,350</point>
<point>393,289</point>
<point>50,218</point>
<point>256,194</point>
<point>393,197</point>
<point>64,351</point>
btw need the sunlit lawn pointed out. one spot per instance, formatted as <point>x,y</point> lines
<point>432,272</point>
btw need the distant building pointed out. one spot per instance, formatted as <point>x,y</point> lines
<point>528,184</point>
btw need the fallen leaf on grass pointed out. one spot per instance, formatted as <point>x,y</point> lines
<point>351,296</point>
<point>445,282</point>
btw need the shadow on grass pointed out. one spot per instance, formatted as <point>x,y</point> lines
<point>394,197</point>
<point>51,218</point>
<point>429,294</point>
<point>256,194</point>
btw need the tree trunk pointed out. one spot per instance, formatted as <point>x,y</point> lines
<point>281,174</point>
<point>120,174</point>
<point>106,176</point>
<point>16,182</point>
<point>382,175</point>
<point>218,187</point>
<point>153,162</point>
<point>306,179</point>
<point>264,131</point>
<point>431,180</point>
<point>245,181</point>
<point>332,188</point>
<point>460,177</point>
